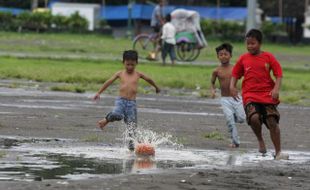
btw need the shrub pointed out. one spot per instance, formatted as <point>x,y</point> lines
<point>77,23</point>
<point>270,29</point>
<point>222,29</point>
<point>38,21</point>
<point>59,22</point>
<point>42,21</point>
<point>7,21</point>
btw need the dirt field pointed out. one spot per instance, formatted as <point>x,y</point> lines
<point>32,112</point>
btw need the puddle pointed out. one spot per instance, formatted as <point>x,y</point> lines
<point>43,159</point>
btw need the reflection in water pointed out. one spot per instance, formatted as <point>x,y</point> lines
<point>144,163</point>
<point>61,166</point>
<point>60,160</point>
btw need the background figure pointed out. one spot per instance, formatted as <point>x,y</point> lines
<point>232,107</point>
<point>158,15</point>
<point>169,41</point>
<point>157,21</point>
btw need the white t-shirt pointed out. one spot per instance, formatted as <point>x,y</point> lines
<point>169,33</point>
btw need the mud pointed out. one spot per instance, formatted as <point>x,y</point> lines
<point>69,120</point>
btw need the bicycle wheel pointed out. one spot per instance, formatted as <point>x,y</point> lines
<point>195,54</point>
<point>144,46</point>
<point>187,51</point>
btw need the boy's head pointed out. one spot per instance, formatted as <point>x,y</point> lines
<point>224,52</point>
<point>130,59</point>
<point>130,55</point>
<point>168,18</point>
<point>253,39</point>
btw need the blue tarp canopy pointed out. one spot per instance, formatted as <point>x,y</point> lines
<point>140,11</point>
<point>14,11</point>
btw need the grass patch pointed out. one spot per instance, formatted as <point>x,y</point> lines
<point>91,45</point>
<point>2,154</point>
<point>81,75</point>
<point>215,135</point>
<point>68,88</point>
<point>92,138</point>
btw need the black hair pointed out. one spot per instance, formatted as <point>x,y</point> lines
<point>255,33</point>
<point>228,47</point>
<point>130,55</point>
<point>168,18</point>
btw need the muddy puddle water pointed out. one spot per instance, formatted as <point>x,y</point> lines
<point>42,159</point>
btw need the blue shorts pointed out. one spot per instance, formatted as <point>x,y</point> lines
<point>124,109</point>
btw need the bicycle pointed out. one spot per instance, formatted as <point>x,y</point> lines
<point>147,45</point>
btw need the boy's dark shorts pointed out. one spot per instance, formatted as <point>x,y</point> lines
<point>264,110</point>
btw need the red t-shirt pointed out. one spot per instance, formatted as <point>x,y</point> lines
<point>257,83</point>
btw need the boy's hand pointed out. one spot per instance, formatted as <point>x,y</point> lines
<point>234,93</point>
<point>96,97</point>
<point>274,94</point>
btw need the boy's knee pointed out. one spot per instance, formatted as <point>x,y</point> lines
<point>255,119</point>
<point>271,122</point>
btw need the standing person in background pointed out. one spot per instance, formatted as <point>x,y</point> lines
<point>232,107</point>
<point>158,16</point>
<point>169,41</point>
<point>260,92</point>
<point>157,21</point>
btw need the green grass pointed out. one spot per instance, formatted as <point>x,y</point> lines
<point>214,135</point>
<point>92,45</point>
<point>81,76</point>
<point>61,43</point>
<point>2,153</point>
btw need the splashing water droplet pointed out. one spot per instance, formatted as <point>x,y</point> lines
<point>147,136</point>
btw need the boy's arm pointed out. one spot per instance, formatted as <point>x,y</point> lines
<point>277,72</point>
<point>233,87</point>
<point>213,79</point>
<point>106,85</point>
<point>276,88</point>
<point>150,81</point>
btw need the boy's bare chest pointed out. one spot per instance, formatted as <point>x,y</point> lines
<point>224,73</point>
<point>129,79</point>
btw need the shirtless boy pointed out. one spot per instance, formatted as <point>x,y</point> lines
<point>232,107</point>
<point>125,104</point>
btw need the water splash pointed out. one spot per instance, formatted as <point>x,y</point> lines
<point>145,135</point>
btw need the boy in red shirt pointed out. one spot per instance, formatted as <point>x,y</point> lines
<point>260,93</point>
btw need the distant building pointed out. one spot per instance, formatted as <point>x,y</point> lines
<point>91,12</point>
<point>307,23</point>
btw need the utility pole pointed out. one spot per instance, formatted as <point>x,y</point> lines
<point>129,20</point>
<point>251,18</point>
<point>281,10</point>
<point>34,4</point>
<point>218,5</point>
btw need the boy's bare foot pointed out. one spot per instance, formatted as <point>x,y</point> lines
<point>102,123</point>
<point>233,145</point>
<point>262,147</point>
<point>281,156</point>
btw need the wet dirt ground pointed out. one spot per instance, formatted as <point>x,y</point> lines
<point>69,119</point>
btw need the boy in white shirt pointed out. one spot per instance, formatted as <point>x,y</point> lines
<point>169,41</point>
